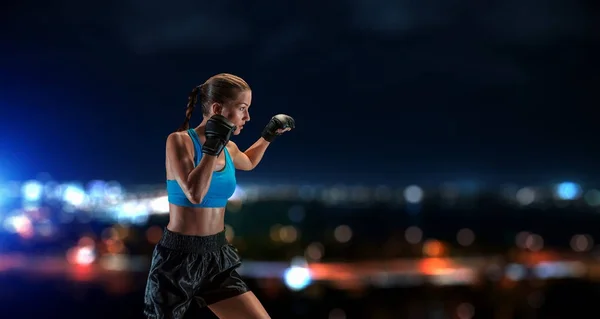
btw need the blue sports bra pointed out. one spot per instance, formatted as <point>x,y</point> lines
<point>222,185</point>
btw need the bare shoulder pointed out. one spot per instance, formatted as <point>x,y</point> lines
<point>177,141</point>
<point>232,147</point>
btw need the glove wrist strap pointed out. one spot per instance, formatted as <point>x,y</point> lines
<point>213,146</point>
<point>268,135</point>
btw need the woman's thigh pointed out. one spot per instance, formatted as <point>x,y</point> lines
<point>245,306</point>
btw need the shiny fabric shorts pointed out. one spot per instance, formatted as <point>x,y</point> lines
<point>188,269</point>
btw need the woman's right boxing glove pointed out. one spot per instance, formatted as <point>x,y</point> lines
<point>218,131</point>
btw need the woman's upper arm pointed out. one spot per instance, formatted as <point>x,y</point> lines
<point>180,162</point>
<point>240,160</point>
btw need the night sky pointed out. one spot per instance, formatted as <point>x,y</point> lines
<point>389,92</point>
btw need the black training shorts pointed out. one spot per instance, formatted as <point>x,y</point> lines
<point>191,268</point>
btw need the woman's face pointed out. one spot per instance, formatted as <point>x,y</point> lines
<point>236,111</point>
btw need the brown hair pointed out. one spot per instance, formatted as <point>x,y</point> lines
<point>220,88</point>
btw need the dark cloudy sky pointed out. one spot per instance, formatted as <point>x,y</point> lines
<point>382,91</point>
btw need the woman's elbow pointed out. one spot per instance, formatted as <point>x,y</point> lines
<point>195,197</point>
<point>194,200</point>
<point>192,196</point>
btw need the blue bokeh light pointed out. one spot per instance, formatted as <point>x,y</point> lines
<point>297,278</point>
<point>568,190</point>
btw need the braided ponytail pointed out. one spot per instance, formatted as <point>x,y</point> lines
<point>192,100</point>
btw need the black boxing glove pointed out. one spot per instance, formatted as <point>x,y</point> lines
<point>218,130</point>
<point>277,122</point>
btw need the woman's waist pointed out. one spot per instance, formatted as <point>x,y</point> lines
<point>196,221</point>
<point>192,243</point>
